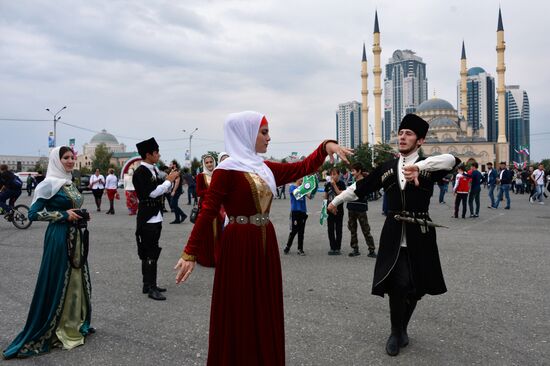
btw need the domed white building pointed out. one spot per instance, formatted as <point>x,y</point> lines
<point>85,158</point>
<point>106,138</point>
<point>451,134</point>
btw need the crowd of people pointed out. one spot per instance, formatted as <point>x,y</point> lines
<point>468,181</point>
<point>233,232</point>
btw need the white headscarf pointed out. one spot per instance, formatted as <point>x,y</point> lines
<point>240,133</point>
<point>56,177</point>
<point>204,168</point>
<point>221,155</point>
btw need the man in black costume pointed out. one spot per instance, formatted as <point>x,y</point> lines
<point>407,266</point>
<point>150,189</point>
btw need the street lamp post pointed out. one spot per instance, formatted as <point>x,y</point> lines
<point>56,118</point>
<point>190,137</point>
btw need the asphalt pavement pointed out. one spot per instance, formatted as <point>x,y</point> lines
<point>496,310</point>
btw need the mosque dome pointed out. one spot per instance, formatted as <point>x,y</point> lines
<point>475,71</point>
<point>434,104</point>
<point>105,138</point>
<point>442,122</point>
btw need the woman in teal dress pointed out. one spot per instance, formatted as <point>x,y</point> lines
<point>60,310</point>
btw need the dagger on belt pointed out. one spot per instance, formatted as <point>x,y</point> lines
<point>422,222</point>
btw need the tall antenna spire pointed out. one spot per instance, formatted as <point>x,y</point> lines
<point>376,28</point>
<point>500,26</point>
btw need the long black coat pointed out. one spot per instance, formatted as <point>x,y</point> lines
<point>144,183</point>
<point>426,270</point>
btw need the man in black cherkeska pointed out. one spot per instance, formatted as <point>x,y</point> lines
<point>150,189</point>
<point>407,266</point>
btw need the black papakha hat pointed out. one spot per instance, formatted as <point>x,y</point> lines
<point>416,124</point>
<point>147,146</point>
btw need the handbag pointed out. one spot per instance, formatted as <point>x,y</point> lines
<point>194,214</point>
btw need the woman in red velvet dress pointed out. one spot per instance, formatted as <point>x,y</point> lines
<point>246,318</point>
<point>209,245</point>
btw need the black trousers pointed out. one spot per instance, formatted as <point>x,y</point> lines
<point>400,288</point>
<point>298,227</point>
<point>148,241</point>
<point>461,197</point>
<point>334,224</point>
<point>473,196</point>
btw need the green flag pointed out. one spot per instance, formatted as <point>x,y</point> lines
<point>324,214</point>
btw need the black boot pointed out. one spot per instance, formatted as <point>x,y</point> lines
<point>409,309</point>
<point>397,311</point>
<point>154,292</point>
<point>146,280</point>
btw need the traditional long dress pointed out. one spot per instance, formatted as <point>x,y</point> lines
<point>60,310</point>
<point>210,241</point>
<point>246,319</point>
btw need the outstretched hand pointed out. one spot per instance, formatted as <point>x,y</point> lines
<point>411,173</point>
<point>343,152</point>
<point>184,269</point>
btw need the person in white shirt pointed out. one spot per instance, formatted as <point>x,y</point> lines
<point>538,178</point>
<point>97,185</point>
<point>111,185</point>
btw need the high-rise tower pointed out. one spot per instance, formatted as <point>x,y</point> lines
<point>405,88</point>
<point>348,124</point>
<point>502,141</point>
<point>517,121</point>
<point>377,71</point>
<point>463,88</point>
<point>364,99</point>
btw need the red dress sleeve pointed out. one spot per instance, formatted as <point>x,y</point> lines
<point>210,209</point>
<point>289,172</point>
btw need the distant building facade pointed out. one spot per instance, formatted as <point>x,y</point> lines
<point>348,124</point>
<point>22,163</point>
<point>405,87</point>
<point>86,157</point>
<point>450,134</point>
<point>481,102</point>
<point>517,121</point>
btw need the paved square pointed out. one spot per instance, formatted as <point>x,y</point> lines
<point>496,310</point>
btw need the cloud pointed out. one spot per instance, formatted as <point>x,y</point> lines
<point>142,68</point>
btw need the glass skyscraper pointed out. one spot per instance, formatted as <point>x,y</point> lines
<point>517,121</point>
<point>405,87</point>
<point>348,124</point>
<point>481,101</point>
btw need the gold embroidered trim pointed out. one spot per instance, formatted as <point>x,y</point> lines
<point>256,198</point>
<point>188,257</point>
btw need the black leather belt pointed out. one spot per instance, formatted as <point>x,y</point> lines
<point>409,214</point>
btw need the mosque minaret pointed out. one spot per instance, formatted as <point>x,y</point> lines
<point>502,142</point>
<point>364,99</point>
<point>463,87</point>
<point>377,71</point>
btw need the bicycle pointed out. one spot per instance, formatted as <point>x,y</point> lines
<point>18,216</point>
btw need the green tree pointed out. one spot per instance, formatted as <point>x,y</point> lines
<point>38,167</point>
<point>85,170</point>
<point>212,153</point>
<point>546,163</point>
<point>102,158</point>
<point>161,165</point>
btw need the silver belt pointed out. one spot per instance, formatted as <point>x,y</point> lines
<point>258,219</point>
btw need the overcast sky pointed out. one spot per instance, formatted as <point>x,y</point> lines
<point>153,68</point>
